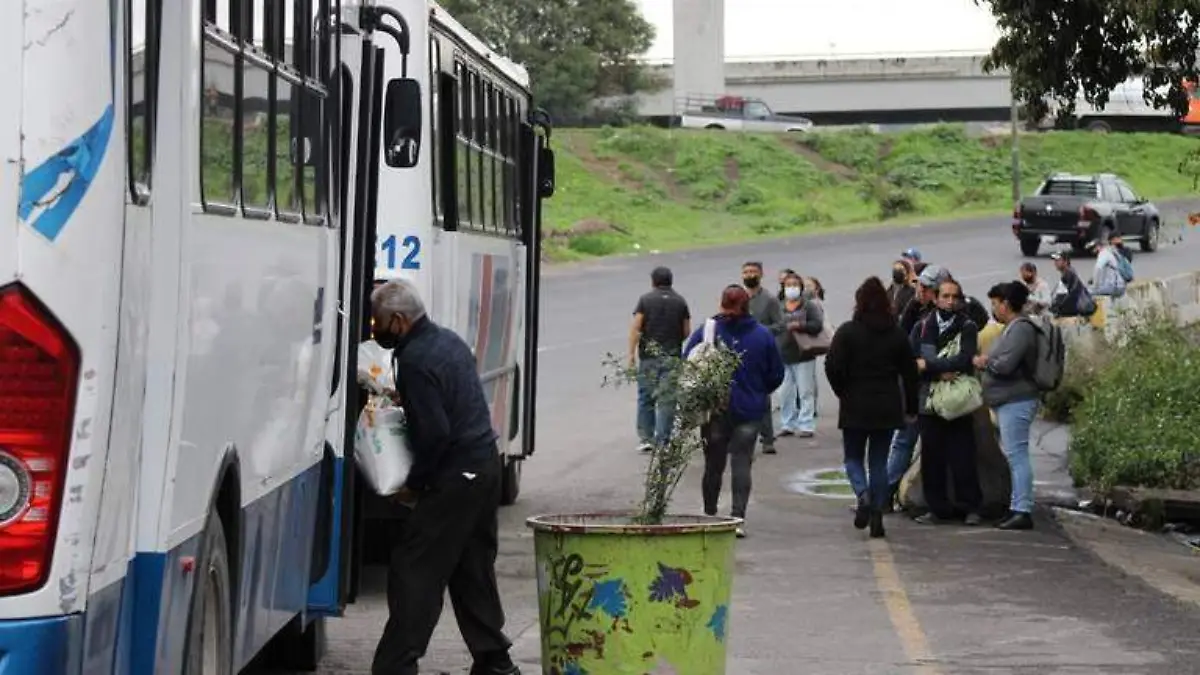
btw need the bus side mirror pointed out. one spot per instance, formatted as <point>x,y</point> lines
<point>402,123</point>
<point>545,179</point>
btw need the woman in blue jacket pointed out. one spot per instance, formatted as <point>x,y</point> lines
<point>730,436</point>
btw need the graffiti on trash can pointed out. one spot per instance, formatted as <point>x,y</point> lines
<point>671,585</point>
<point>574,595</point>
<point>717,623</point>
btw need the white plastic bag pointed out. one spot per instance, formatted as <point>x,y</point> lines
<point>381,446</point>
<point>375,368</point>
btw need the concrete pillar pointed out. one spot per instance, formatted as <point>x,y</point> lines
<point>699,67</point>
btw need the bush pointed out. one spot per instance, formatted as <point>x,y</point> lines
<point>1138,423</point>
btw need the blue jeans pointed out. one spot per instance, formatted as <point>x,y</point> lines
<point>871,445</point>
<point>900,457</point>
<point>798,397</point>
<point>1014,420</point>
<point>655,407</point>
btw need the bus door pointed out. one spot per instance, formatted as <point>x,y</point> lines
<point>365,92</point>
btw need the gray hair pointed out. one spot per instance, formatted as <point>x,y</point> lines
<point>398,297</point>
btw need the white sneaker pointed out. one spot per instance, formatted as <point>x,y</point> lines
<point>740,532</point>
<point>645,447</point>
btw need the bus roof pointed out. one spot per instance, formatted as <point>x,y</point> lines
<point>509,68</point>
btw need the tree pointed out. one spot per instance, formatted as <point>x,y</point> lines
<point>575,50</point>
<point>1055,50</point>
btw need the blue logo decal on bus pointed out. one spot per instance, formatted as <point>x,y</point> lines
<point>411,244</point>
<point>81,157</point>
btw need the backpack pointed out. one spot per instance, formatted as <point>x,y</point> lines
<point>1124,267</point>
<point>1051,359</point>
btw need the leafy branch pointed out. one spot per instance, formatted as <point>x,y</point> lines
<point>699,389</point>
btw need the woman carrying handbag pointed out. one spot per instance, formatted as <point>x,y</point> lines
<point>806,338</point>
<point>946,341</point>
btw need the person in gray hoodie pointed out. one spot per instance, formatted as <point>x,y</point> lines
<point>1010,390</point>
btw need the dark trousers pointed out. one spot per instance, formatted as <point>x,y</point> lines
<point>450,540</point>
<point>865,454</point>
<point>948,446</point>
<point>727,441</point>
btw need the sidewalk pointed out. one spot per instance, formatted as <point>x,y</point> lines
<point>813,596</point>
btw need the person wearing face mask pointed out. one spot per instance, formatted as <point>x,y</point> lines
<point>450,538</point>
<point>783,275</point>
<point>765,309</point>
<point>903,289</point>
<point>947,446</point>
<point>801,314</point>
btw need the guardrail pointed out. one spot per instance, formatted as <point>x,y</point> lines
<point>1177,297</point>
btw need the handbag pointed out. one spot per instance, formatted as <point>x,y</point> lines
<point>815,345</point>
<point>952,399</point>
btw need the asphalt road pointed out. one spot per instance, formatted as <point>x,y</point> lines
<point>811,595</point>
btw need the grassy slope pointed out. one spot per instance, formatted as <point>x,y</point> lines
<point>642,189</point>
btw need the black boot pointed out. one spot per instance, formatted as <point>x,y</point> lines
<point>1017,521</point>
<point>862,513</point>
<point>494,663</point>
<point>877,524</point>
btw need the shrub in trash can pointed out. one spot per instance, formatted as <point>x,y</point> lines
<point>643,591</point>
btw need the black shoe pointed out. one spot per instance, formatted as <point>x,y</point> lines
<point>877,531</point>
<point>931,518</point>
<point>973,520</point>
<point>862,513</point>
<point>505,667</point>
<point>1017,521</point>
<point>768,449</point>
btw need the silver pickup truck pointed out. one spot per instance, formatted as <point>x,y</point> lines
<point>737,113</point>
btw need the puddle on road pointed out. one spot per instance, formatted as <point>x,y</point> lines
<point>827,483</point>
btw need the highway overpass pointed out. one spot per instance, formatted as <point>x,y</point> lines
<point>859,89</point>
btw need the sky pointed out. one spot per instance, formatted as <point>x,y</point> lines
<point>763,29</point>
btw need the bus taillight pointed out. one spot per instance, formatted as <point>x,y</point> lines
<point>39,369</point>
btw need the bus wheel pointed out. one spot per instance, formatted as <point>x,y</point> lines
<point>510,480</point>
<point>210,629</point>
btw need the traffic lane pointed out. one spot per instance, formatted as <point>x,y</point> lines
<point>992,601</point>
<point>592,303</point>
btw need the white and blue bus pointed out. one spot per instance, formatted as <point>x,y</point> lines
<point>201,189</point>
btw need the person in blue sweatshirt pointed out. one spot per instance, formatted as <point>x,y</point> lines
<point>730,436</point>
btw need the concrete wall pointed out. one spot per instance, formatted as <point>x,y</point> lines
<point>836,85</point>
<point>699,49</point>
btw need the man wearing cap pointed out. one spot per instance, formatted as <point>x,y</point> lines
<point>912,255</point>
<point>1070,290</point>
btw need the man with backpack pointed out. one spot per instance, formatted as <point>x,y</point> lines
<point>1024,361</point>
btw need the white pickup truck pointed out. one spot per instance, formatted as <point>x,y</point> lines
<point>737,113</point>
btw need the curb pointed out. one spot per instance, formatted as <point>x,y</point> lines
<point>1162,564</point>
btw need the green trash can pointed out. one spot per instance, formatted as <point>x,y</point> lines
<point>617,598</point>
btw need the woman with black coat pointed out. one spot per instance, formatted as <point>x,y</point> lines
<point>947,446</point>
<point>872,370</point>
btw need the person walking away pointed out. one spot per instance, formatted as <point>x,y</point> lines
<point>766,310</point>
<point>904,442</point>
<point>947,446</point>
<point>867,357</point>
<point>903,288</point>
<point>1070,298</point>
<point>729,437</point>
<point>1010,390</point>
<point>798,394</point>
<point>450,539</point>
<point>1107,279</point>
<point>661,321</point>
<point>1039,290</point>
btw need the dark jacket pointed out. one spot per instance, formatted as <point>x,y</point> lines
<point>872,370</point>
<point>1067,294</point>
<point>811,316</point>
<point>927,342</point>
<point>913,312</point>
<point>449,422</point>
<point>761,370</point>
<point>900,295</point>
<point>765,309</point>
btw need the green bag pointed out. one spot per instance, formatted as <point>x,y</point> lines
<point>952,399</point>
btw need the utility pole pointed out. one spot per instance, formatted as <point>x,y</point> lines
<point>1016,151</point>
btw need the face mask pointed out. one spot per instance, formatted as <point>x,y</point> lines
<point>899,276</point>
<point>791,293</point>
<point>750,282</point>
<point>386,338</point>
<point>945,314</point>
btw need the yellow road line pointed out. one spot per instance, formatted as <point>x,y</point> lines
<point>900,611</point>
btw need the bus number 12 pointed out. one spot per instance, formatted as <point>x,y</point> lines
<point>412,247</point>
